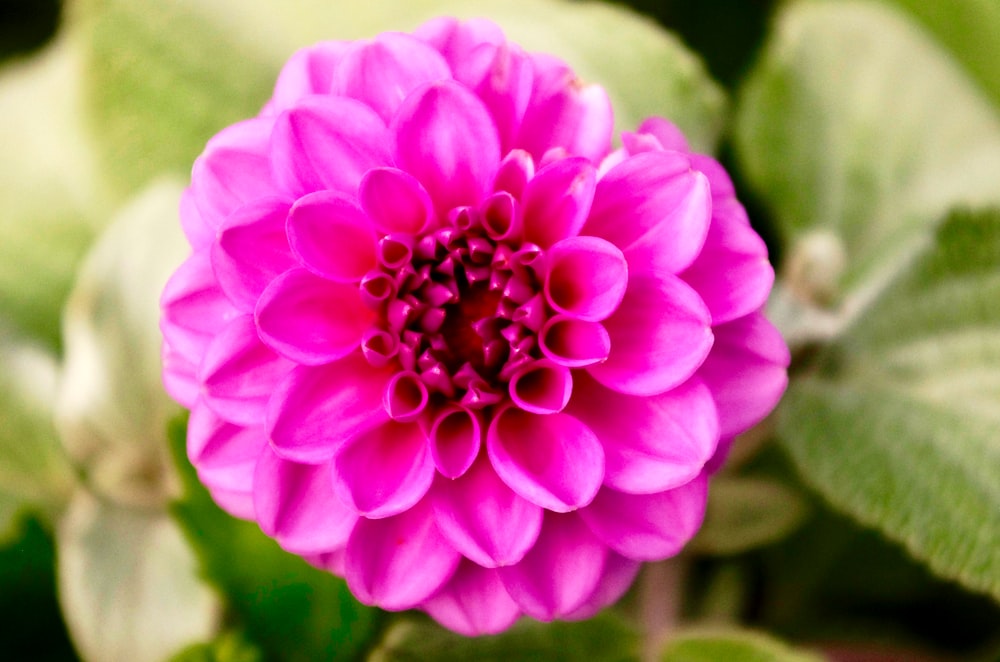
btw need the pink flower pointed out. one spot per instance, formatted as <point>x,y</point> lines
<point>439,338</point>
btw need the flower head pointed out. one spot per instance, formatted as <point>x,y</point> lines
<point>438,337</point>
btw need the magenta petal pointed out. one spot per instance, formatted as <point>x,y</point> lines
<point>666,134</point>
<point>252,250</point>
<point>746,372</point>
<point>332,237</point>
<point>295,503</point>
<point>398,562</point>
<point>455,437</point>
<point>648,527</point>
<point>395,201</point>
<point>586,279</point>
<point>456,39</point>
<point>514,172</point>
<point>573,342</point>
<point>473,602</point>
<point>559,573</point>
<point>327,142</point>
<point>308,71</point>
<point>660,334</point>
<point>650,443</point>
<point>483,518</point>
<point>541,387</point>
<point>384,471</point>
<point>619,573</point>
<point>180,376</point>
<point>239,373</point>
<point>655,208</point>
<point>311,320</point>
<point>194,308</point>
<point>198,233</point>
<point>501,74</point>
<point>317,409</point>
<point>557,200</point>
<point>224,454</point>
<point>456,167</point>
<point>237,503</point>
<point>383,71</point>
<point>233,170</point>
<point>554,461</point>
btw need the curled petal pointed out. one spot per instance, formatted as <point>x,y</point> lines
<point>295,503</point>
<point>587,278</point>
<point>514,173</point>
<point>473,602</point>
<point>560,572</point>
<point>541,387</point>
<point>554,461</point>
<point>395,201</point>
<point>311,320</point>
<point>574,343</point>
<point>455,436</point>
<point>315,409</point>
<point>398,562</point>
<point>501,217</point>
<point>648,527</point>
<point>384,471</point>
<point>405,396</point>
<point>660,334</point>
<point>332,237</point>
<point>557,200</point>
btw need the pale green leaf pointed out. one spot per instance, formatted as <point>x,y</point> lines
<point>856,126</point>
<point>10,510</point>
<point>128,583</point>
<point>730,646</point>
<point>898,425</point>
<point>747,512</point>
<point>112,410</point>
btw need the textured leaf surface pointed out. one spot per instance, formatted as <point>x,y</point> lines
<point>900,426</point>
<point>724,646</point>
<point>856,125</point>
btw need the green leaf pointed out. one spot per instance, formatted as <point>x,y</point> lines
<point>228,647</point>
<point>860,133</point>
<point>605,638</point>
<point>292,610</point>
<point>111,409</point>
<point>747,512</point>
<point>732,645</point>
<point>128,583</point>
<point>53,194</point>
<point>898,424</point>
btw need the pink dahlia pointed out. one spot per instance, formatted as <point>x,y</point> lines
<point>439,338</point>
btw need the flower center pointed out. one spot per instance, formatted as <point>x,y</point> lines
<point>476,307</point>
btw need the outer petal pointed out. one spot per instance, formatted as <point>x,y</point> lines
<point>198,233</point>
<point>399,562</point>
<point>619,573</point>
<point>660,334</point>
<point>650,443</point>
<point>501,74</point>
<point>746,372</point>
<point>295,504</point>
<point>483,518</point>
<point>473,602</point>
<point>384,471</point>
<point>554,461</point>
<point>456,39</point>
<point>308,71</point>
<point>193,307</point>
<point>557,200</point>
<point>383,71</point>
<point>316,409</point>
<point>560,572</point>
<point>224,454</point>
<point>455,166</point>
<point>327,142</point>
<point>648,527</point>
<point>251,250</point>
<point>239,373</point>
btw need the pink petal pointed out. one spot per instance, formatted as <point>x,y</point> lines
<point>564,112</point>
<point>193,308</point>
<point>224,454</point>
<point>383,71</point>
<point>660,334</point>
<point>455,166</point>
<point>554,461</point>
<point>514,172</point>
<point>295,503</point>
<point>501,74</point>
<point>746,372</point>
<point>557,200</point>
<point>233,170</point>
<point>252,250</point>
<point>648,527</point>
<point>455,437</point>
<point>655,209</point>
<point>332,237</point>
<point>235,502</point>
<point>501,217</point>
<point>650,443</point>
<point>399,562</point>
<point>198,233</point>
<point>722,184</point>
<point>384,471</point>
<point>456,39</point>
<point>180,376</point>
<point>405,396</point>
<point>560,572</point>
<point>239,373</point>
<point>587,278</point>
<point>327,142</point>
<point>473,602</point>
<point>541,387</point>
<point>395,201</point>
<point>484,519</point>
<point>619,573</point>
<point>667,135</point>
<point>573,342</point>
<point>308,71</point>
<point>316,409</point>
<point>311,320</point>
